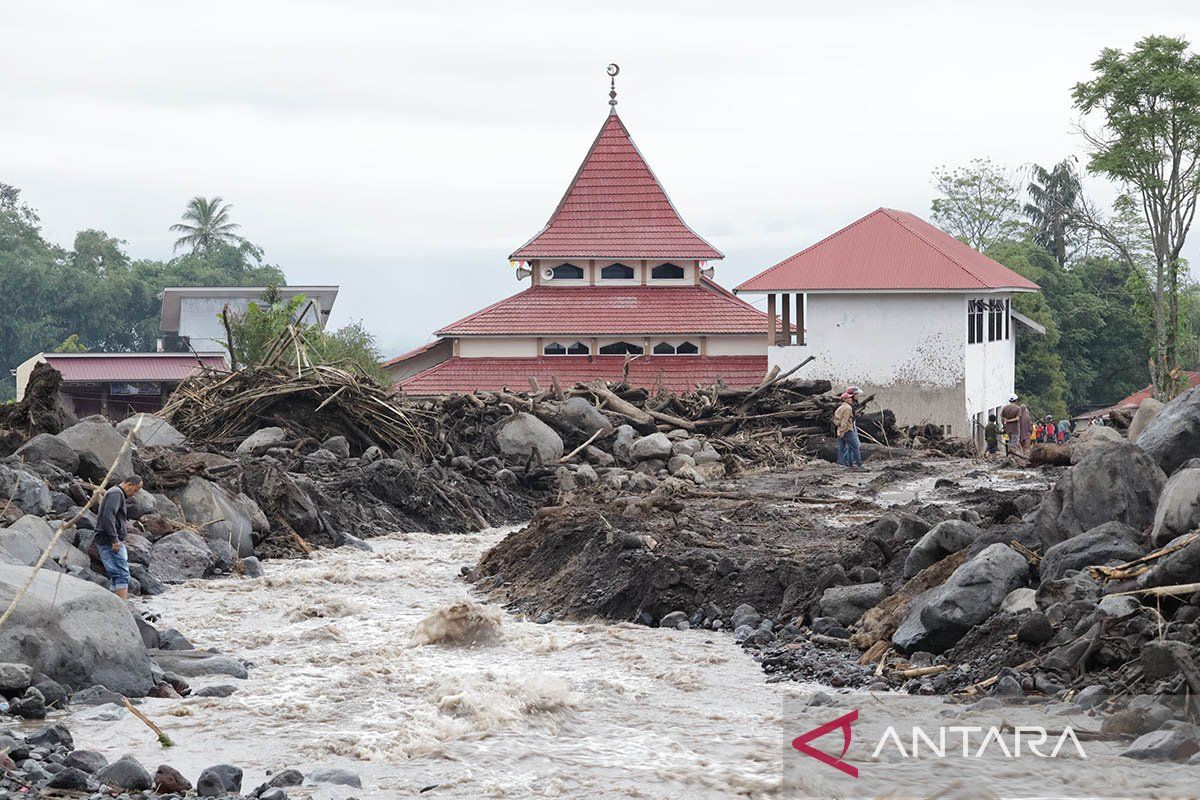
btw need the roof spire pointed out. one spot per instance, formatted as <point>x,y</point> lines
<point>613,72</point>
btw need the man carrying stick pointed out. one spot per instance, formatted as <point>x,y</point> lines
<point>111,530</point>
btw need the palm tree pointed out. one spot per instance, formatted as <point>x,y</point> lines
<point>1055,193</point>
<point>205,224</point>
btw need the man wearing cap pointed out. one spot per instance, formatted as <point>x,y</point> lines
<point>849,448</point>
<point>1010,419</point>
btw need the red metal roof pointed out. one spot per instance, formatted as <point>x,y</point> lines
<point>674,373</point>
<point>616,208</point>
<point>416,351</point>
<point>120,367</point>
<point>1134,400</point>
<point>619,310</point>
<point>888,250</point>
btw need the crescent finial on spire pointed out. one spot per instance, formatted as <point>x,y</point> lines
<point>613,72</point>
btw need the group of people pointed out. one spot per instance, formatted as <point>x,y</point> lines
<point>1017,430</point>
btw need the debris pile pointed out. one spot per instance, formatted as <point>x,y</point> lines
<point>41,410</point>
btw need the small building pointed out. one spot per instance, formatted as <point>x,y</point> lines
<point>118,384</point>
<point>619,286</point>
<point>904,310</point>
<point>190,320</point>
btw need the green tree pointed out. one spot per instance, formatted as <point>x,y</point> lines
<point>206,224</point>
<point>71,344</point>
<point>1149,101</point>
<point>979,203</point>
<point>1053,194</point>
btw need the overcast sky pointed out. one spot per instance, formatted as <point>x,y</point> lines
<point>403,151</point>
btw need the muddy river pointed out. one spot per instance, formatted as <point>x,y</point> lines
<point>561,710</point>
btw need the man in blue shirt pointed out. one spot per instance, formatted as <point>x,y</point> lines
<point>111,530</point>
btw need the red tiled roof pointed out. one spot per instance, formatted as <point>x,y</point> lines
<point>416,351</point>
<point>888,250</point>
<point>620,310</point>
<point>615,207</point>
<point>130,366</point>
<point>674,373</point>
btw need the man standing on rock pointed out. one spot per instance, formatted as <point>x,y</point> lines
<point>849,449</point>
<point>1010,419</point>
<point>111,530</point>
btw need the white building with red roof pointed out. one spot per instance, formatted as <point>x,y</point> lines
<point>904,310</point>
<point>616,276</point>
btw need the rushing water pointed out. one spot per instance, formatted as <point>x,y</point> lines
<point>559,710</point>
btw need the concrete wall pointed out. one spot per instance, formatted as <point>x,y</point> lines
<point>431,357</point>
<point>990,375</point>
<point>23,371</point>
<point>909,349</point>
<point>738,345</point>
<point>515,347</point>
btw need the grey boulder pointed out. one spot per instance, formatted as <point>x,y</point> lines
<point>180,556</point>
<point>654,446</point>
<point>581,414</point>
<point>338,445</point>
<point>1111,541</point>
<point>263,437</point>
<point>26,489</point>
<point>334,775</point>
<point>202,502</point>
<point>1092,439</point>
<point>1173,437</point>
<point>1147,410</point>
<point>48,448</point>
<point>943,539</point>
<point>1119,483</point>
<point>73,631</point>
<point>847,603</point>
<point>524,435</point>
<point>95,437</point>
<point>150,430</point>
<point>1178,506</point>
<point>126,773</point>
<point>194,663</point>
<point>24,541</point>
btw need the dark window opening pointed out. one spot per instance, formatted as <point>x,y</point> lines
<point>578,349</point>
<point>667,272</point>
<point>566,272</point>
<point>620,349</point>
<point>664,349</point>
<point>616,272</point>
<point>554,349</point>
<point>687,349</point>
<point>975,309</point>
<point>1007,318</point>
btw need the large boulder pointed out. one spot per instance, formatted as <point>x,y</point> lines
<point>1091,439</point>
<point>1111,541</point>
<point>1173,437</point>
<point>1178,506</point>
<point>522,434</point>
<point>940,541</point>
<point>847,603</point>
<point>222,515</point>
<point>96,439</point>
<point>972,594</point>
<point>48,448</point>
<point>26,489</point>
<point>1147,410</point>
<point>25,540</point>
<point>73,631</point>
<point>263,437</point>
<point>579,413</point>
<point>1117,483</point>
<point>181,556</point>
<point>150,430</point>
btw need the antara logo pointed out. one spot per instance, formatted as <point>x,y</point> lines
<point>843,722</point>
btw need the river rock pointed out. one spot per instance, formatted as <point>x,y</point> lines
<point>224,556</point>
<point>26,489</point>
<point>69,779</point>
<point>655,446</point>
<point>263,437</point>
<point>180,556</point>
<point>138,548</point>
<point>73,631</point>
<point>579,413</point>
<point>140,505</point>
<point>1110,541</point>
<point>87,760</point>
<point>48,448</point>
<point>676,619</point>
<point>151,430</point>
<point>252,567</point>
<point>168,780</point>
<point>24,541</point>
<point>194,663</point>
<point>1092,439</point>
<point>847,603</point>
<point>229,779</point>
<point>679,462</point>
<point>147,583</point>
<point>687,447</point>
<point>1179,505</point>
<point>334,775</point>
<point>30,705</point>
<point>338,445</point>
<point>943,539</point>
<point>1173,437</point>
<point>1162,745</point>
<point>1118,483</point>
<point>522,434</point>
<point>203,501</point>
<point>1147,410</point>
<point>1019,601</point>
<point>286,778</point>
<point>707,455</point>
<point>15,678</point>
<point>972,594</point>
<point>745,614</point>
<point>95,437</point>
<point>126,773</point>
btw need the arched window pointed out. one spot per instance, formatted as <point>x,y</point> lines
<point>566,272</point>
<point>687,349</point>
<point>554,349</point>
<point>578,349</point>
<point>617,272</point>
<point>664,349</point>
<point>573,349</point>
<point>681,349</point>
<point>620,349</point>
<point>666,272</point>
